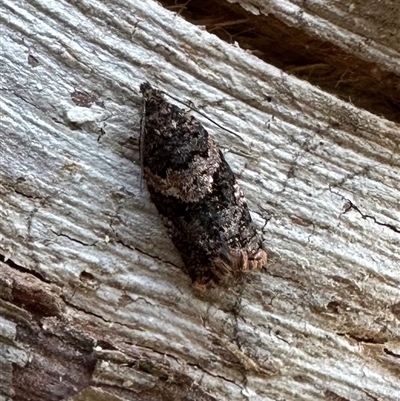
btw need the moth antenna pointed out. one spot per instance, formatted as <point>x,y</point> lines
<point>203,115</point>
<point>141,142</point>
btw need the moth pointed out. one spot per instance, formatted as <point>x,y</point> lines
<point>197,195</point>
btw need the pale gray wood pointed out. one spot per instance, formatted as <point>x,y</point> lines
<point>85,246</point>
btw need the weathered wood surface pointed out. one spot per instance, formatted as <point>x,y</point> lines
<point>93,303</point>
<point>369,30</point>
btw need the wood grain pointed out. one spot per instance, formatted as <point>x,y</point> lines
<point>91,293</point>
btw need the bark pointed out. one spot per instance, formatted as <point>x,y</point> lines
<point>94,304</point>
